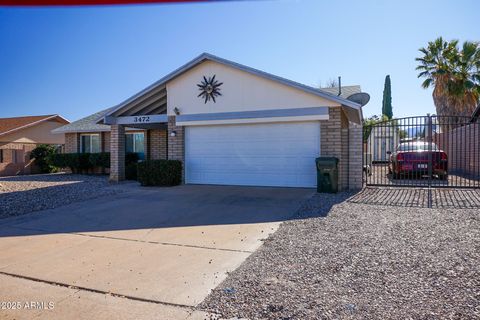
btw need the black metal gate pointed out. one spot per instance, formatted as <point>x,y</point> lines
<point>424,151</point>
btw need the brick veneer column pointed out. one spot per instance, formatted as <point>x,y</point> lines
<point>106,141</point>
<point>71,142</point>
<point>77,142</point>
<point>331,141</point>
<point>102,141</point>
<point>146,144</point>
<point>355,157</point>
<point>176,145</point>
<point>117,153</point>
<point>158,144</point>
<point>344,165</point>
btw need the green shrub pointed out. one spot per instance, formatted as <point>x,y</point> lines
<point>131,161</point>
<point>131,157</point>
<point>72,161</point>
<point>41,154</point>
<point>84,163</point>
<point>101,159</point>
<point>64,160</point>
<point>159,172</point>
<point>77,162</point>
<point>58,160</point>
<point>131,171</point>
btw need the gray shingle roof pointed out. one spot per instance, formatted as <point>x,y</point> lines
<point>346,90</point>
<point>87,124</point>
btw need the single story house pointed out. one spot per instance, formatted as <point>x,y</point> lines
<point>230,125</point>
<point>20,135</point>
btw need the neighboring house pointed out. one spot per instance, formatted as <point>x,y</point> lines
<point>229,124</point>
<point>20,135</point>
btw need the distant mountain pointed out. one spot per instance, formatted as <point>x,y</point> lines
<point>419,131</point>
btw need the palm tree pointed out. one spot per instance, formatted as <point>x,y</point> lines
<point>454,75</point>
<point>465,84</point>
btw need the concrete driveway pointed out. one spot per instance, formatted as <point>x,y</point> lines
<point>145,253</point>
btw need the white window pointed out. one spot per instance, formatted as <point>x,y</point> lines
<point>90,143</point>
<point>135,142</point>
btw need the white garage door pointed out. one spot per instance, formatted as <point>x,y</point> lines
<point>274,154</point>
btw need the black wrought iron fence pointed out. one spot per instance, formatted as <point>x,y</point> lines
<point>423,151</point>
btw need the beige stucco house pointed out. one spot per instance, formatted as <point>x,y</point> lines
<point>20,135</point>
<point>229,124</point>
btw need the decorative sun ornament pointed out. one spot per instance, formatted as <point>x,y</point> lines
<point>209,89</point>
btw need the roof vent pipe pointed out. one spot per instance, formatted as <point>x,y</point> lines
<point>339,85</point>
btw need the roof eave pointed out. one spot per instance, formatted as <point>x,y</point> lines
<point>56,131</point>
<point>354,115</point>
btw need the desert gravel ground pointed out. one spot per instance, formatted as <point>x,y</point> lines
<point>380,175</point>
<point>361,261</point>
<point>23,194</point>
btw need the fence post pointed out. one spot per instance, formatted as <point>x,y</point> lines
<point>430,160</point>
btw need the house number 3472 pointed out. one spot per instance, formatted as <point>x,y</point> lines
<point>141,119</point>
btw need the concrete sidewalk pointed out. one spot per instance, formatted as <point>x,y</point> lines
<point>164,248</point>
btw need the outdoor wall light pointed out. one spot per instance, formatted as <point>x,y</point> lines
<point>173,134</point>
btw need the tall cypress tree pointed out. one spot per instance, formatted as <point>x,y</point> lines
<point>387,98</point>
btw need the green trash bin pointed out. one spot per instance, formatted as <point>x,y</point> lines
<point>327,174</point>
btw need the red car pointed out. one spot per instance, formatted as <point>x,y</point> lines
<point>412,159</point>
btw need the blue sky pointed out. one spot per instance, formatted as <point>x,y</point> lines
<point>76,61</point>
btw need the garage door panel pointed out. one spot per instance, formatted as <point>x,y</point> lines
<point>268,179</point>
<point>253,148</point>
<point>257,154</point>
<point>254,163</point>
<point>252,152</point>
<point>264,168</point>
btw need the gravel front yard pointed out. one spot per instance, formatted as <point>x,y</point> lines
<point>362,261</point>
<point>24,194</point>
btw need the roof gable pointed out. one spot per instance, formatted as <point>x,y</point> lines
<point>206,56</point>
<point>240,91</point>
